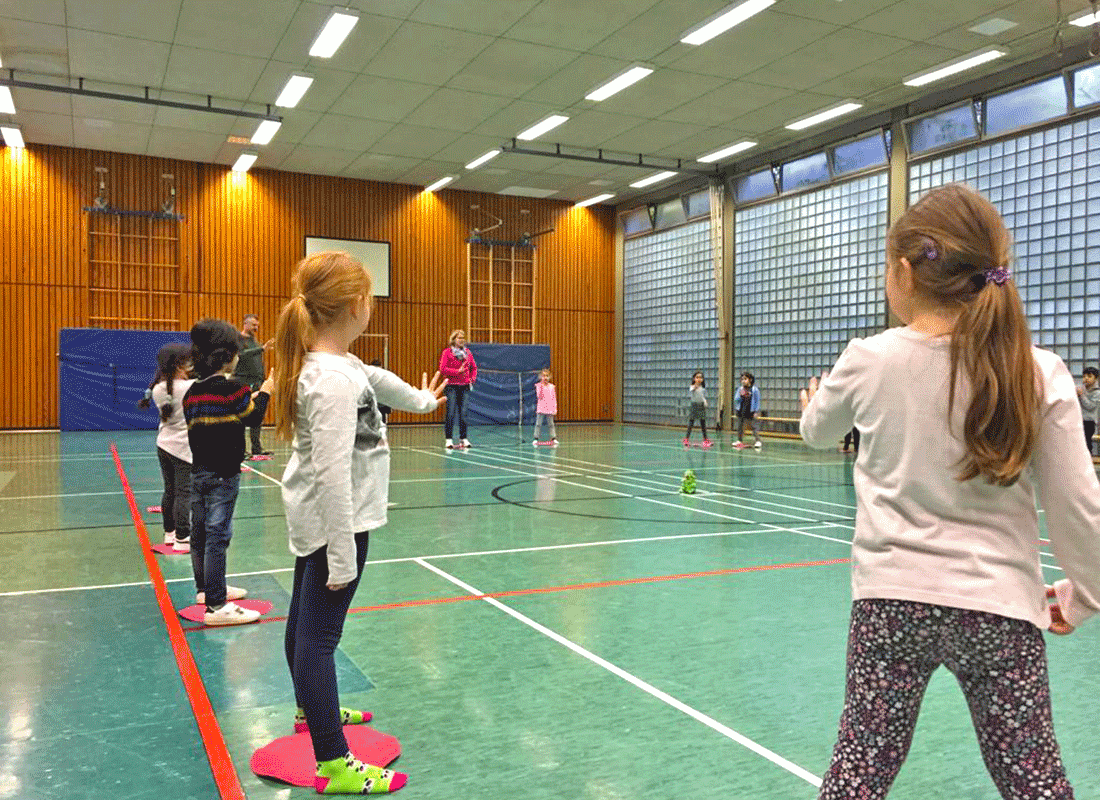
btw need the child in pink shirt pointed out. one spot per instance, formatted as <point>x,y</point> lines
<point>547,407</point>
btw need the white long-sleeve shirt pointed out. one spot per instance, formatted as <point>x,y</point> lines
<point>923,536</point>
<point>172,434</point>
<point>336,483</point>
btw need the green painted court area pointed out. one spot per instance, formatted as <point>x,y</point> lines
<point>638,643</point>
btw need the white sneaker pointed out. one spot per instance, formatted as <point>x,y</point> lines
<point>230,614</point>
<point>449,445</point>
<point>169,538</point>
<point>231,593</point>
<point>553,442</point>
<point>759,445</point>
<point>181,545</point>
<point>466,443</point>
<point>535,443</point>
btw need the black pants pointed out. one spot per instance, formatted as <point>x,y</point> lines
<point>850,438</point>
<point>254,433</point>
<point>1090,430</point>
<point>314,625</point>
<point>175,503</point>
<point>698,414</point>
<point>456,408</point>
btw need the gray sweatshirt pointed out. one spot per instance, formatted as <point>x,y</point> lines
<point>1090,403</point>
<point>698,395</point>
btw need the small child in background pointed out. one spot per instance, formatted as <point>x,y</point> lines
<point>218,408</point>
<point>748,404</point>
<point>174,453</point>
<point>1089,398</point>
<point>547,407</point>
<point>698,393</point>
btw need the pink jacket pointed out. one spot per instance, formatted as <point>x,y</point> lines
<point>451,368</point>
<point>548,398</point>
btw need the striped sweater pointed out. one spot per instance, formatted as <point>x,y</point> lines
<point>217,410</point>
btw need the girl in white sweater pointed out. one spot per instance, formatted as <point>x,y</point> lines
<point>335,488</point>
<point>962,422</point>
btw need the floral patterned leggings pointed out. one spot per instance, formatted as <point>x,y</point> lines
<point>894,646</point>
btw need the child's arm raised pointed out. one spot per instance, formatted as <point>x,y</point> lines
<point>828,414</point>
<point>390,390</point>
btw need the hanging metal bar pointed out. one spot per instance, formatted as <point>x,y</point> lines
<point>642,160</point>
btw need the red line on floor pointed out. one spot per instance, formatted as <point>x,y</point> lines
<point>229,786</point>
<point>434,601</point>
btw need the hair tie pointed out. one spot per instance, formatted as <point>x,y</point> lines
<point>998,275</point>
<point>930,251</point>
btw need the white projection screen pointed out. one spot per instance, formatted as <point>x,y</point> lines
<point>374,255</point>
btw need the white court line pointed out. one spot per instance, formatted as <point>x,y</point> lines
<point>619,672</point>
<point>401,480</point>
<point>506,551</point>
<point>95,494</point>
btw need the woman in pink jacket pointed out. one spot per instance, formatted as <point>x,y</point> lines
<point>457,365</point>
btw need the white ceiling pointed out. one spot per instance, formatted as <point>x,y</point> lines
<point>421,87</point>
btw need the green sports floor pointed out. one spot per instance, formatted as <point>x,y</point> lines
<point>639,644</point>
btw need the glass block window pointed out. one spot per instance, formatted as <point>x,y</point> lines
<point>808,278</point>
<point>756,186</point>
<point>636,222</point>
<point>698,204</point>
<point>670,323</point>
<point>805,172</point>
<point>942,129</point>
<point>870,151</point>
<point>1025,106</point>
<point>1047,186</point>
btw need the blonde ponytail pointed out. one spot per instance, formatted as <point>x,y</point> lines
<point>293,335</point>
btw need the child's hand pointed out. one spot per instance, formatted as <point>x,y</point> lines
<point>335,587</point>
<point>269,382</point>
<point>1080,391</point>
<point>432,387</point>
<point>1058,624</point>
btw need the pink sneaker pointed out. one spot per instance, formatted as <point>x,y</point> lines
<point>686,442</point>
<point>708,443</point>
<point>740,445</point>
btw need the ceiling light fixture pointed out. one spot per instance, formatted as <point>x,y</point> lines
<point>846,107</point>
<point>957,65</point>
<point>652,179</point>
<point>439,184</point>
<point>593,200</point>
<point>13,135</point>
<point>477,162</point>
<point>245,160</point>
<point>332,35</point>
<point>266,131</point>
<point>7,105</point>
<point>296,86</point>
<point>1084,20</point>
<point>541,127</point>
<point>718,155</point>
<point>619,82</point>
<point>724,20</point>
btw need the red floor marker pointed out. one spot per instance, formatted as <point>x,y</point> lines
<point>154,509</point>
<point>167,550</point>
<point>196,613</point>
<point>290,759</point>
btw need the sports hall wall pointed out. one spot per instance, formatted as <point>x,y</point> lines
<point>238,243</point>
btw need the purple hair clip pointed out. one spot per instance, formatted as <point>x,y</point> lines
<point>930,251</point>
<point>998,275</point>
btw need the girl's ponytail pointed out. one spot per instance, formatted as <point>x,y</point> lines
<point>293,335</point>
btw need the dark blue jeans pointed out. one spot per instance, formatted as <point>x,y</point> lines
<point>212,500</point>
<point>456,407</point>
<point>314,625</point>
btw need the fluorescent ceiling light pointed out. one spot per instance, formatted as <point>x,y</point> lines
<point>618,83</point>
<point>439,184</point>
<point>1084,20</point>
<point>652,179</point>
<point>7,105</point>
<point>593,200</point>
<point>13,137</point>
<point>952,67</point>
<point>718,155</point>
<point>539,128</point>
<point>337,27</point>
<point>245,160</point>
<point>824,116</point>
<point>477,162</point>
<point>266,132</point>
<point>993,27</point>
<point>296,86</point>
<point>724,20</point>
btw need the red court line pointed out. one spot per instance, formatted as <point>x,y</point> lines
<point>434,601</point>
<point>229,786</point>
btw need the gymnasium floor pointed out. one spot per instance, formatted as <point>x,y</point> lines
<point>648,644</point>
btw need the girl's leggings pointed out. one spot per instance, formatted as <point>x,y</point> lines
<point>750,418</point>
<point>314,625</point>
<point>698,414</point>
<point>540,420</point>
<point>175,503</point>
<point>894,646</point>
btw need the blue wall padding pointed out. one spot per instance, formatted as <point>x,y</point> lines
<point>500,370</point>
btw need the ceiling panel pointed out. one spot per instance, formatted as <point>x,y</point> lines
<point>511,68</point>
<point>51,11</point>
<point>345,133</point>
<point>154,20</point>
<point>33,46</point>
<point>830,56</point>
<point>117,59</point>
<point>389,99</point>
<point>118,137</point>
<point>514,118</point>
<point>208,71</point>
<point>592,128</point>
<point>426,52</point>
<point>169,142</point>
<point>490,17</point>
<point>923,20</point>
<point>198,121</point>
<point>466,148</point>
<point>662,91</point>
<point>569,85</point>
<point>47,102</point>
<point>219,25</point>
<point>576,24</point>
<point>781,112</point>
<point>96,108</point>
<point>652,136</point>
<point>44,128</point>
<point>364,42</point>
<point>456,110</point>
<point>657,30</point>
<point>727,102</point>
<point>375,166</point>
<point>327,87</point>
<point>413,141</point>
<point>318,160</point>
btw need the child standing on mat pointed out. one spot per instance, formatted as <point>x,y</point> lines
<point>962,421</point>
<point>335,490</point>
<point>217,408</point>
<point>457,365</point>
<point>698,393</point>
<point>173,452</point>
<point>1088,395</point>
<point>546,408</point>
<point>748,404</point>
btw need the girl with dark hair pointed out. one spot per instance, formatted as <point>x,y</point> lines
<point>174,453</point>
<point>217,409</point>
<point>962,422</point>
